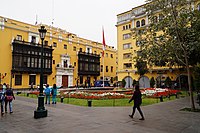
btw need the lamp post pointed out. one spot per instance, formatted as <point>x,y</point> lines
<point>41,111</point>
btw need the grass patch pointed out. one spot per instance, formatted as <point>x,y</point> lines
<point>190,110</point>
<point>106,102</point>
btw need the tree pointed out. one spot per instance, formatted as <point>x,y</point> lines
<point>123,83</point>
<point>173,38</point>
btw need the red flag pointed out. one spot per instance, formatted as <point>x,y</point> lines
<point>104,44</point>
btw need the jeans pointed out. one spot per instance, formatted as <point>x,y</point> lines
<point>54,99</point>
<point>47,99</point>
<point>10,106</point>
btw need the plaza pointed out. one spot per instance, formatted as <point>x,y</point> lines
<point>64,118</point>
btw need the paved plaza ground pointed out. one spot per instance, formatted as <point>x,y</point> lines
<point>63,118</point>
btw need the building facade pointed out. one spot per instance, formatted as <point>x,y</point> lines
<point>128,48</point>
<point>67,57</point>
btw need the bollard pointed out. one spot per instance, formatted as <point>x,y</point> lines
<point>89,103</point>
<point>161,98</point>
<point>176,95</point>
<point>61,99</point>
<point>27,94</point>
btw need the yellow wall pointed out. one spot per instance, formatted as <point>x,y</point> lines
<point>12,28</point>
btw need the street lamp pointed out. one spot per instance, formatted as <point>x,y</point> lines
<point>41,111</point>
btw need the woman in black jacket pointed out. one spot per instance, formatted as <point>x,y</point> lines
<point>137,97</point>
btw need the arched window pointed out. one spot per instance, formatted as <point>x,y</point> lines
<point>143,22</point>
<point>138,24</point>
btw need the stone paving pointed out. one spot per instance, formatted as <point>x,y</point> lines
<point>64,118</point>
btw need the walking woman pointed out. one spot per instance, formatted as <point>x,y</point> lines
<point>9,97</point>
<point>54,93</point>
<point>137,97</point>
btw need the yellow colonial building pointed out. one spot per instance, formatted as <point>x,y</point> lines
<point>128,48</point>
<point>67,57</point>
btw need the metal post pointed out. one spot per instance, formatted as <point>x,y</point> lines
<point>41,111</point>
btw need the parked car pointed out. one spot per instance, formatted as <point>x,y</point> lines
<point>99,83</point>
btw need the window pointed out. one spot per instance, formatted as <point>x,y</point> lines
<point>65,46</point>
<point>129,26</point>
<point>86,67</point>
<point>106,68</point>
<point>80,49</point>
<point>138,24</point>
<point>101,68</point>
<point>126,36</point>
<point>127,46</point>
<point>127,65</point>
<point>32,79</point>
<point>74,63</point>
<point>54,44</point>
<point>45,79</point>
<point>18,79</point>
<point>19,37</point>
<point>127,56</point>
<point>33,39</point>
<point>143,22</point>
<point>74,48</point>
<point>106,54</point>
<point>124,27</point>
<point>53,61</point>
<point>111,69</point>
<point>111,55</point>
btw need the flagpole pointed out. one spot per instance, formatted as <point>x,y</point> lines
<point>104,45</point>
<point>103,70</point>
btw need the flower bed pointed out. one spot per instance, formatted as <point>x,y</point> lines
<point>93,95</point>
<point>158,92</point>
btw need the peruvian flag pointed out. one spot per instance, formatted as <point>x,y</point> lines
<point>104,44</point>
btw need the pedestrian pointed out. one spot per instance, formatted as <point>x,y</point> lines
<point>137,97</point>
<point>47,93</point>
<point>2,100</point>
<point>54,93</point>
<point>77,82</point>
<point>88,83</point>
<point>4,87</point>
<point>85,83</point>
<point>31,86</point>
<point>9,98</point>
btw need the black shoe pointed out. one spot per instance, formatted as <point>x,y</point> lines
<point>11,112</point>
<point>141,119</point>
<point>130,116</point>
<point>52,102</point>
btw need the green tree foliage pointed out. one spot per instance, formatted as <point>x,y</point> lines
<point>171,37</point>
<point>123,83</point>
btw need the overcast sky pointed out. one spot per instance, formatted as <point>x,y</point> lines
<point>84,18</point>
